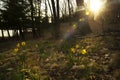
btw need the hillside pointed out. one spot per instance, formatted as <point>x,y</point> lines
<point>90,57</point>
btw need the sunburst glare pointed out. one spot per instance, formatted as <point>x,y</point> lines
<point>95,5</point>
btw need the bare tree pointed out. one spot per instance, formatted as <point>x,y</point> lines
<point>56,15</point>
<point>69,9</point>
<point>2,33</point>
<point>79,2</point>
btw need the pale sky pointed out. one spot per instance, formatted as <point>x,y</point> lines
<point>0,4</point>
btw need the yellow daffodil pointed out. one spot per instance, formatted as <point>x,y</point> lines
<point>72,50</point>
<point>77,46</point>
<point>16,50</point>
<point>18,45</point>
<point>23,43</point>
<point>84,51</point>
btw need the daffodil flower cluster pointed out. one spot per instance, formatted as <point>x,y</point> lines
<point>18,46</point>
<point>78,49</point>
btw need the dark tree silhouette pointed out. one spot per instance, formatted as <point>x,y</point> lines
<point>14,14</point>
<point>79,2</point>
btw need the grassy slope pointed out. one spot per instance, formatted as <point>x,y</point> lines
<point>53,60</point>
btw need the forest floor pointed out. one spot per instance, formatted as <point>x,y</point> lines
<point>88,57</point>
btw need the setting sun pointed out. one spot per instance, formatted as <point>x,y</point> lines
<point>95,5</point>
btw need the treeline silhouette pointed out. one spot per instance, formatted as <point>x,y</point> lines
<point>23,15</point>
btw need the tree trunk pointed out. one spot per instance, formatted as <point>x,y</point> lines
<point>58,19</point>
<point>8,33</point>
<point>50,7</point>
<point>54,10</point>
<point>55,21</point>
<point>15,34</point>
<point>45,8</point>
<point>65,8</point>
<point>69,9</point>
<point>80,2</point>
<point>58,10</point>
<point>39,9</point>
<point>2,34</point>
<point>32,15</point>
<point>21,34</point>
